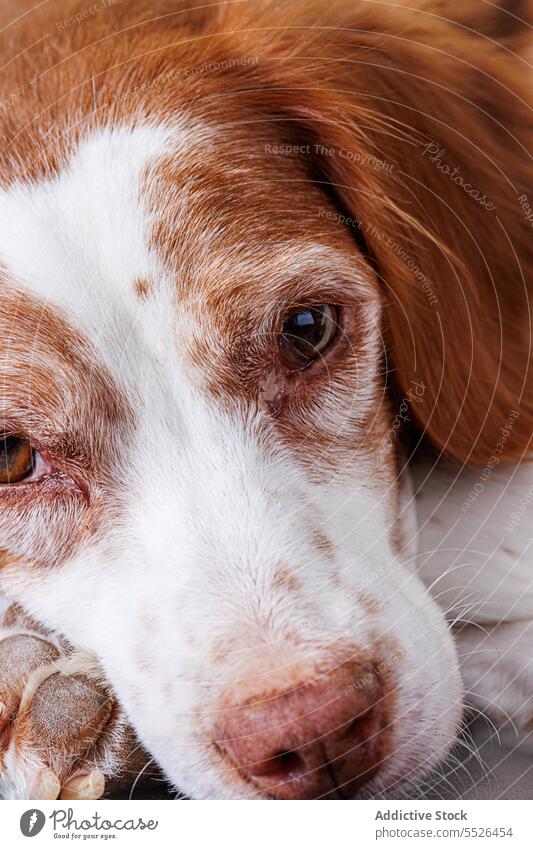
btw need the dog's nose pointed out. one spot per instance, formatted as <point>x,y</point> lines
<point>318,740</point>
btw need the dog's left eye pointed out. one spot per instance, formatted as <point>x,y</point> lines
<point>307,334</point>
<point>20,462</point>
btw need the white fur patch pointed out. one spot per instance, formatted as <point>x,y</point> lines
<point>80,240</point>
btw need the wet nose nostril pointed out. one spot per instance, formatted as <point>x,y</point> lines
<point>360,725</point>
<point>281,765</point>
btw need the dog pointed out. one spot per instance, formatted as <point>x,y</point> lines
<point>266,400</point>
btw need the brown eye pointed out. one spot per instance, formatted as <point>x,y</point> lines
<point>307,334</point>
<point>17,459</point>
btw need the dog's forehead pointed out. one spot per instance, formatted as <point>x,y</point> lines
<point>154,217</point>
<point>79,239</point>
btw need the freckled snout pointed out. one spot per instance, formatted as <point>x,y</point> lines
<point>319,739</point>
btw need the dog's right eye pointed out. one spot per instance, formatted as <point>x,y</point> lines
<point>307,334</point>
<point>18,460</point>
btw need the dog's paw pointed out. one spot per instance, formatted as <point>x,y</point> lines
<point>62,734</point>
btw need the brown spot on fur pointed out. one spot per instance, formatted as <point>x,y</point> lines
<point>6,559</point>
<point>286,579</point>
<point>397,537</point>
<point>335,577</point>
<point>323,543</point>
<point>143,288</point>
<point>436,520</point>
<point>370,603</point>
<point>511,552</point>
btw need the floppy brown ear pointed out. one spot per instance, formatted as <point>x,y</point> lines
<point>447,214</point>
<point>422,128</point>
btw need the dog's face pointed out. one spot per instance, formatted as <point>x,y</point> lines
<point>205,283</point>
<point>193,352</point>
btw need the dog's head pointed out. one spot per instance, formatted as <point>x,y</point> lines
<point>223,294</point>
